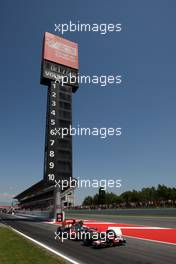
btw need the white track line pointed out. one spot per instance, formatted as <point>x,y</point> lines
<point>136,227</point>
<point>19,216</point>
<point>150,240</point>
<point>128,227</point>
<point>99,223</point>
<point>123,227</point>
<point>145,227</point>
<point>46,247</point>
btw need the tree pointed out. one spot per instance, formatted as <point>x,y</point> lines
<point>162,193</point>
<point>112,198</point>
<point>88,201</point>
<point>148,194</point>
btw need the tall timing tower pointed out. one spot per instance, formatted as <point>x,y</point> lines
<point>59,63</point>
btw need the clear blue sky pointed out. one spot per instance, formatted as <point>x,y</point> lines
<point>144,105</point>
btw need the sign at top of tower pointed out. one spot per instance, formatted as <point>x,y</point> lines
<point>60,50</point>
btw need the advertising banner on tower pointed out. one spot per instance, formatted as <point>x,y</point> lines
<point>60,50</point>
<point>59,61</point>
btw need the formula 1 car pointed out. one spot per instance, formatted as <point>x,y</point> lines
<point>110,238</point>
<point>73,230</point>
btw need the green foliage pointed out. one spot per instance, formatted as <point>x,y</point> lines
<point>88,201</point>
<point>149,194</point>
<point>16,249</point>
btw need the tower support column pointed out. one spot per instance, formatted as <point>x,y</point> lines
<point>57,202</point>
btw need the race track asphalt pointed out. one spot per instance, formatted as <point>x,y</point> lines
<point>134,252</point>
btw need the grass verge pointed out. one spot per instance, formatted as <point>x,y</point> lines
<point>16,249</point>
